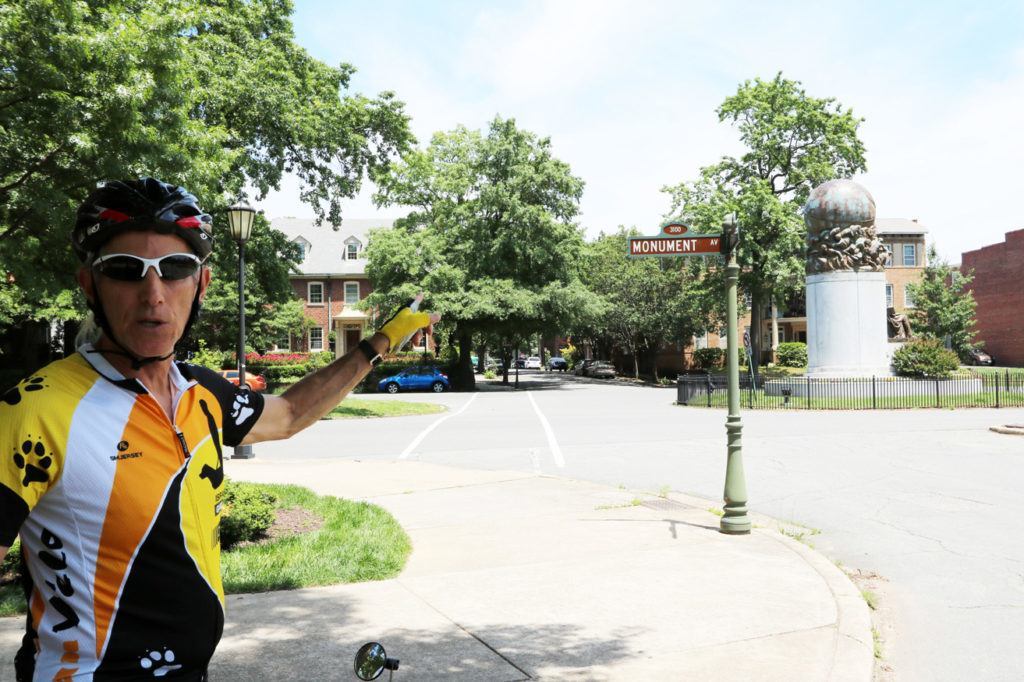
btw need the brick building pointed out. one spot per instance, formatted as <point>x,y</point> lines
<point>999,292</point>
<point>331,280</point>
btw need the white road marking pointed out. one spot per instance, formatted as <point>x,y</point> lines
<point>419,439</point>
<point>556,452</point>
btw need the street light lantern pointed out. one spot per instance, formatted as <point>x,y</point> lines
<point>240,217</point>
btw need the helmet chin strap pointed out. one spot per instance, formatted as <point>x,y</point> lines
<point>96,306</point>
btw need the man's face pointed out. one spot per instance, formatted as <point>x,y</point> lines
<point>146,316</point>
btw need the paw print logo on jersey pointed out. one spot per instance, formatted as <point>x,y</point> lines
<point>35,472</point>
<point>13,395</point>
<point>159,663</point>
<point>241,410</point>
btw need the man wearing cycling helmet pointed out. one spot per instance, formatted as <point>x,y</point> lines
<point>114,470</point>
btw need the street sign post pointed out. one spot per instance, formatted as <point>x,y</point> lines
<point>676,240</point>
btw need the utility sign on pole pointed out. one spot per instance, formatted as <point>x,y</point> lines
<point>675,240</point>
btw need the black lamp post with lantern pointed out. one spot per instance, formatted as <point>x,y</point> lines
<point>240,219</point>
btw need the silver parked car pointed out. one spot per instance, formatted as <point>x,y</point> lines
<point>601,370</point>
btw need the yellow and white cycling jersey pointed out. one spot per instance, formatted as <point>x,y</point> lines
<point>118,510</point>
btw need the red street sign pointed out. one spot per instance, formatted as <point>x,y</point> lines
<point>697,245</point>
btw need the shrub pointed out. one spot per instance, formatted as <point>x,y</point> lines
<point>247,513</point>
<point>571,355</point>
<point>708,358</point>
<point>489,374</point>
<point>11,567</point>
<point>924,358</point>
<point>209,358</point>
<point>792,354</point>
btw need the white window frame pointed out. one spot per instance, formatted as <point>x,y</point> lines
<point>889,292</point>
<point>913,256</point>
<point>908,300</point>
<point>310,340</point>
<point>345,292</point>
<point>351,251</point>
<point>888,256</point>
<point>309,293</point>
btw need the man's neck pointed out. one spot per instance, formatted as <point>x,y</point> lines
<point>155,375</point>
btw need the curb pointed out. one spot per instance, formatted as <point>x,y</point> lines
<point>853,657</point>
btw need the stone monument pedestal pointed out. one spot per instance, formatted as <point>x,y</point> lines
<point>846,324</point>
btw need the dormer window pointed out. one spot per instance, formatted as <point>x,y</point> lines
<point>303,248</point>
<point>352,248</point>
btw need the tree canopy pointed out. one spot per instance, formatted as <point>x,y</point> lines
<point>649,303</point>
<point>490,237</point>
<point>793,143</point>
<point>215,96</point>
<point>944,305</point>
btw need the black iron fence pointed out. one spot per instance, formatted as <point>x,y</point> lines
<point>1002,389</point>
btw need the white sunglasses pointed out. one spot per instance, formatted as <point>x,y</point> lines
<point>126,267</point>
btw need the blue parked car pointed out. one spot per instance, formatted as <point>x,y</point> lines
<point>415,379</point>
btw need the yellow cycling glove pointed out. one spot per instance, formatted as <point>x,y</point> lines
<point>403,325</point>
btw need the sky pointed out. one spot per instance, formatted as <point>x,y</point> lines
<point>627,92</point>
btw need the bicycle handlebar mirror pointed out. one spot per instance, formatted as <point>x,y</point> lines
<point>372,660</point>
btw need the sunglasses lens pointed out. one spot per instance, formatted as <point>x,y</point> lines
<point>178,267</point>
<point>127,268</point>
<point>121,268</point>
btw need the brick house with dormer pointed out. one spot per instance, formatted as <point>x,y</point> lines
<point>330,281</point>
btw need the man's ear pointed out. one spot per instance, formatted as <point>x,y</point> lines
<point>204,281</point>
<point>86,282</point>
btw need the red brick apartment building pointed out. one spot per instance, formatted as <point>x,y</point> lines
<point>331,280</point>
<point>998,288</point>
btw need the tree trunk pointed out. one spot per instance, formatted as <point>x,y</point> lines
<point>636,363</point>
<point>756,316</point>
<point>462,376</point>
<point>481,355</point>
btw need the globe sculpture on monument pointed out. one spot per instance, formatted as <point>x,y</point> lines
<point>846,323</point>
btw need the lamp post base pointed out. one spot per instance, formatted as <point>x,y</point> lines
<point>243,452</point>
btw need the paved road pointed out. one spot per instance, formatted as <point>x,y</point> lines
<point>930,499</point>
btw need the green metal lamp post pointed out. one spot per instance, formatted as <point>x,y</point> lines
<point>240,219</point>
<point>735,520</point>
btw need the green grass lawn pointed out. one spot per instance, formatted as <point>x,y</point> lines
<point>353,408</point>
<point>357,542</point>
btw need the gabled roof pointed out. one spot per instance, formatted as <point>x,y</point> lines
<point>327,247</point>
<point>899,226</point>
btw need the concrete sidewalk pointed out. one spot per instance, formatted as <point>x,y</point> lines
<point>515,577</point>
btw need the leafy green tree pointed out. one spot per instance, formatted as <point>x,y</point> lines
<point>649,302</point>
<point>491,237</point>
<point>944,305</point>
<point>216,96</point>
<point>793,142</point>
